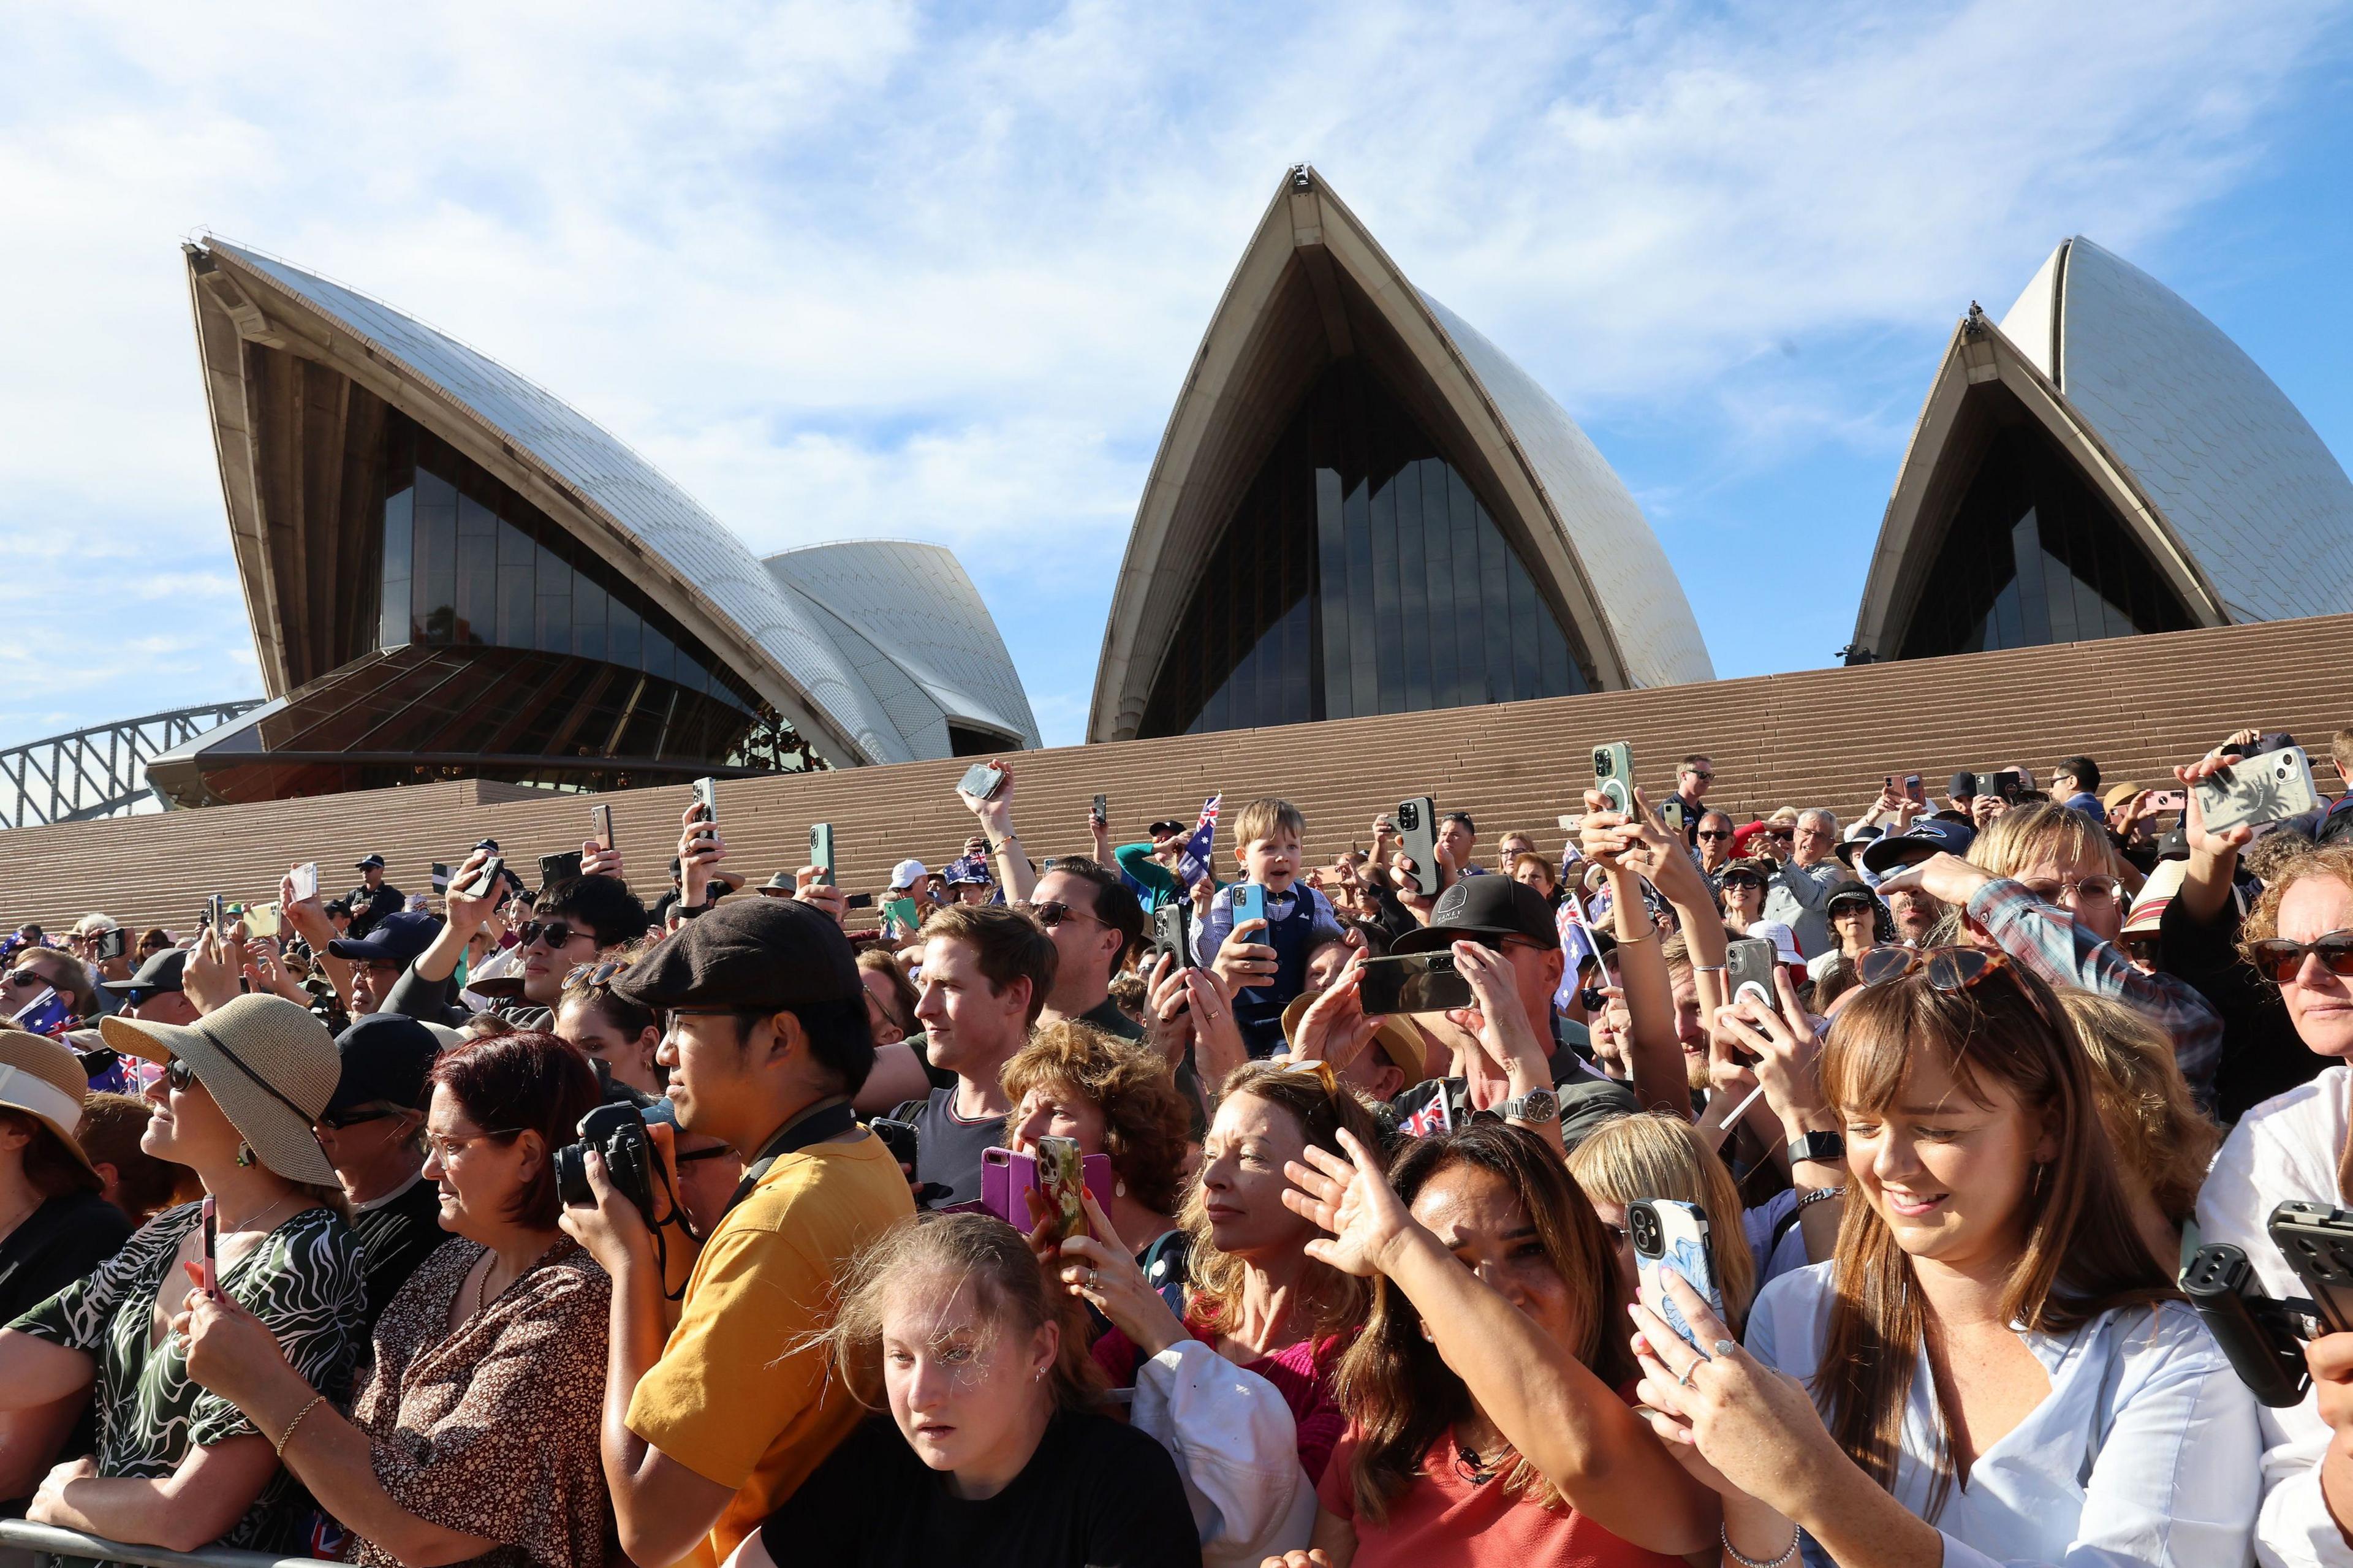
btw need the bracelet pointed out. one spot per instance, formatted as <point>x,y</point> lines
<point>315,1400</point>
<point>1819,1195</point>
<point>1733,1552</point>
<point>1636,941</point>
<point>999,845</point>
<point>1709,969</point>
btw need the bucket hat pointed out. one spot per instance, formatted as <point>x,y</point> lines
<point>47,1082</point>
<point>268,1065</point>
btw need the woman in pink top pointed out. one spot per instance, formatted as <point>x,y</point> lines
<point>1487,1421</point>
<point>1256,1297</point>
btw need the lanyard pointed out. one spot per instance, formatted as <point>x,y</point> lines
<point>825,1118</point>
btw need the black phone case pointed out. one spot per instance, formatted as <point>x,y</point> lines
<point>2317,1239</point>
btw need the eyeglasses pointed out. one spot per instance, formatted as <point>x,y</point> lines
<point>594,973</point>
<point>1713,833</point>
<point>2077,889</point>
<point>442,1147</point>
<point>1054,912</point>
<point>556,932</point>
<point>356,1116</point>
<point>2281,961</point>
<point>1948,968</point>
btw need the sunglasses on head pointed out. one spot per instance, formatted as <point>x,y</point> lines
<point>595,974</point>
<point>2281,961</point>
<point>1947,968</point>
<point>555,932</point>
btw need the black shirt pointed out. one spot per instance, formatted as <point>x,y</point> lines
<point>369,905</point>
<point>1106,1015</point>
<point>948,1148</point>
<point>396,1236</point>
<point>63,1240</point>
<point>1096,1494</point>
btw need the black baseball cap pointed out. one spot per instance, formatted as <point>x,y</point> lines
<point>376,861</point>
<point>1916,843</point>
<point>758,954</point>
<point>1484,909</point>
<point>385,1060</point>
<point>395,939</point>
<point>161,972</point>
<point>1165,826</point>
<point>1964,787</point>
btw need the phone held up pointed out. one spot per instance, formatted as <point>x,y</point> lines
<point>1672,1237</point>
<point>1171,934</point>
<point>1613,776</point>
<point>1250,904</point>
<point>706,799</point>
<point>600,826</point>
<point>2267,787</point>
<point>1748,964</point>
<point>821,851</point>
<point>982,780</point>
<point>1417,826</point>
<point>1412,983</point>
<point>305,879</point>
<point>208,1268</point>
<point>1100,812</point>
<point>2263,1338</point>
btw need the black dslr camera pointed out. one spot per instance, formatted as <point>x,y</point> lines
<point>617,1132</point>
<point>2263,1338</point>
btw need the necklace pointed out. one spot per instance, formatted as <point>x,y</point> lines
<point>482,1285</point>
<point>255,1223</point>
<point>1467,1463</point>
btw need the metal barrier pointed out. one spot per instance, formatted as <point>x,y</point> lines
<point>102,770</point>
<point>46,1544</point>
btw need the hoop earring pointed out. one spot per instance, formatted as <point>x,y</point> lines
<point>1119,1188</point>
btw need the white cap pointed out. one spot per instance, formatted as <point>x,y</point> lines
<point>1784,939</point>
<point>906,874</point>
<point>2154,894</point>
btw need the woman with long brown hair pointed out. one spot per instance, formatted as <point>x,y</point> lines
<point>1488,1422</point>
<point>1999,1370</point>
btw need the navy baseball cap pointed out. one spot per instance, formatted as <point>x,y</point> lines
<point>1886,855</point>
<point>374,862</point>
<point>395,939</point>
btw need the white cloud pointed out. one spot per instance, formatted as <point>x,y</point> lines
<point>869,269</point>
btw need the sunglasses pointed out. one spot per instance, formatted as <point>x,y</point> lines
<point>1743,879</point>
<point>26,978</point>
<point>1700,773</point>
<point>556,934</point>
<point>358,1115</point>
<point>1054,912</point>
<point>595,974</point>
<point>178,1076</point>
<point>1850,907</point>
<point>2281,961</point>
<point>1713,833</point>
<point>1948,968</point>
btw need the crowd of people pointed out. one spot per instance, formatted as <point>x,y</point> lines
<point>616,1221</point>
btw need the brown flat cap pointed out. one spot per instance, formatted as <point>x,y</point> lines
<point>759,954</point>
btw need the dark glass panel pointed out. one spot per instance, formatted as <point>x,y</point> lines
<point>624,636</point>
<point>1413,587</point>
<point>591,608</point>
<point>434,583</point>
<point>2033,556</point>
<point>399,517</point>
<point>1438,544</point>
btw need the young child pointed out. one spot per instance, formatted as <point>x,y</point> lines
<point>1266,834</point>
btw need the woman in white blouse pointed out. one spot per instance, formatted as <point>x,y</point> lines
<point>2000,1372</point>
<point>2300,936</point>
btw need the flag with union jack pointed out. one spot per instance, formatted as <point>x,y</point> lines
<point>1195,862</point>
<point>1436,1117</point>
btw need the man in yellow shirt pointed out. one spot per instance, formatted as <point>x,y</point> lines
<point>765,1036</point>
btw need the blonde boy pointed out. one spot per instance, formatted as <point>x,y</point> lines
<point>1266,961</point>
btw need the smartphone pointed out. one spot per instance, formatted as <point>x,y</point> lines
<point>2263,1339</point>
<point>1572,824</point>
<point>600,826</point>
<point>2317,1239</point>
<point>858,902</point>
<point>260,920</point>
<point>554,868</point>
<point>1101,811</point>
<point>487,879</point>
<point>900,912</point>
<point>216,913</point>
<point>116,942</point>
<point>706,797</point>
<point>821,851</point>
<point>2267,787</point>
<point>1250,904</point>
<point>1172,934</point>
<point>208,1268</point>
<point>1412,983</point>
<point>1748,964</point>
<point>901,1138</point>
<point>1417,823</point>
<point>1672,1236</point>
<point>1613,775</point>
<point>1672,815</point>
<point>2168,800</point>
<point>1005,1175</point>
<point>306,880</point>
<point>2009,785</point>
<point>1061,1182</point>
<point>982,780</point>
<point>1914,791</point>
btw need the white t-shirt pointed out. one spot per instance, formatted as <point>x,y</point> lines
<point>2144,1453</point>
<point>2285,1148</point>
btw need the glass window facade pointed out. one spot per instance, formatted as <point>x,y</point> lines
<point>1360,574</point>
<point>2033,556</point>
<point>469,563</point>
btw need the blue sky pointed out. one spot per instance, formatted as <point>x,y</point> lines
<point>850,269</point>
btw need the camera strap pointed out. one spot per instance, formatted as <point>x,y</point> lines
<point>825,1118</point>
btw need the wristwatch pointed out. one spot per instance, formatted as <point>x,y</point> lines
<point>1826,1147</point>
<point>1538,1105</point>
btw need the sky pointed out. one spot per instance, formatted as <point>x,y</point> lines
<point>861,268</point>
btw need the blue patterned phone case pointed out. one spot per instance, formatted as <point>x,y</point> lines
<point>1672,1236</point>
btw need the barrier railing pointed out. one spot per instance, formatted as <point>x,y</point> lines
<point>47,1542</point>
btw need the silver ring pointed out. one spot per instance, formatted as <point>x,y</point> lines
<point>1092,1276</point>
<point>1726,1347</point>
<point>1685,1378</point>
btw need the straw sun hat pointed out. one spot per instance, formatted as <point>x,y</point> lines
<point>46,1081</point>
<point>268,1064</point>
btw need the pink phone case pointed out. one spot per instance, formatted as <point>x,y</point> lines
<point>1005,1175</point>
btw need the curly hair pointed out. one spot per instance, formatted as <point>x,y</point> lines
<point>2160,1136</point>
<point>2331,860</point>
<point>1146,1124</point>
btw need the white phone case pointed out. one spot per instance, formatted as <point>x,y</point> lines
<point>1683,1232</point>
<point>2259,790</point>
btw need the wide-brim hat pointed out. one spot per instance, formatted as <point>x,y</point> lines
<point>268,1065</point>
<point>47,1082</point>
<point>1397,1042</point>
<point>2149,908</point>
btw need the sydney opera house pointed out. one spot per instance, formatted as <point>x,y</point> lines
<point>450,573</point>
<point>1359,506</point>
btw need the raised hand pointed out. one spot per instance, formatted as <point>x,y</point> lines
<point>1351,1198</point>
<point>1335,1027</point>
